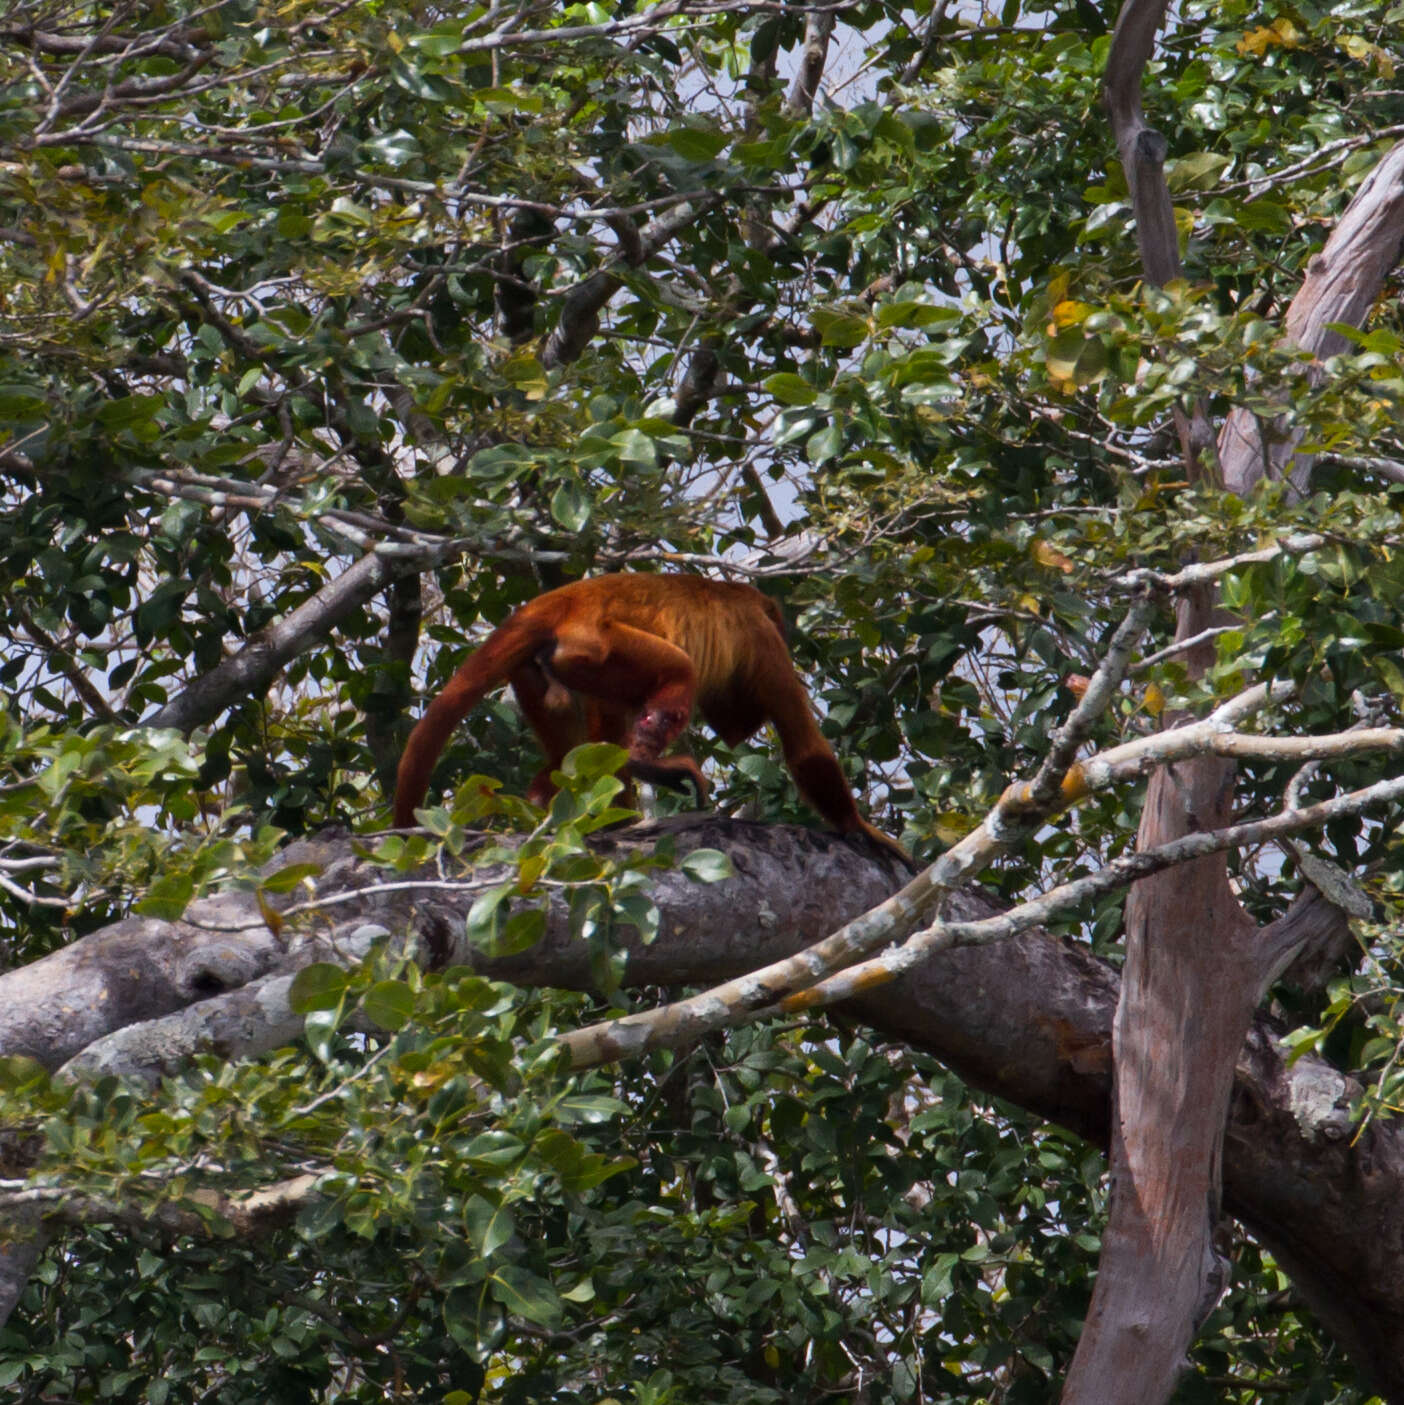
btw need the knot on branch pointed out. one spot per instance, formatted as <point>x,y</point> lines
<point>1150,147</point>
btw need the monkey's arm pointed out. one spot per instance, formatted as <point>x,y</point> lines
<point>620,664</point>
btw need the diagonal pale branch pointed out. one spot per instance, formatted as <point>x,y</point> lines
<point>739,1001</point>
<point>1068,897</point>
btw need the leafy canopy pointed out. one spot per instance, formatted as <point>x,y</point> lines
<point>510,294</point>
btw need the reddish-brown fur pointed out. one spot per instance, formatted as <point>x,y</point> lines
<point>625,659</point>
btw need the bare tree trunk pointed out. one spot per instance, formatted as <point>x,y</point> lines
<point>1188,992</point>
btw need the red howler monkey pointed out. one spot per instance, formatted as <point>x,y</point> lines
<point>624,659</point>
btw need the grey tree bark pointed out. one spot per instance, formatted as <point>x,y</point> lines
<point>1029,1019</point>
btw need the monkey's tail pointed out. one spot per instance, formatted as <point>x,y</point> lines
<point>505,650</point>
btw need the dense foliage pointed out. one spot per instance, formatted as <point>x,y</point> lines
<point>495,296</point>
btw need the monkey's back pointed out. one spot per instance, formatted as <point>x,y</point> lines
<point>716,623</point>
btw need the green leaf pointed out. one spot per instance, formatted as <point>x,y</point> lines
<point>168,896</point>
<point>389,1003</point>
<point>1265,216</point>
<point>392,149</point>
<point>320,986</point>
<point>589,1108</point>
<point>840,328</point>
<point>696,143</point>
<point>483,916</point>
<point>20,402</point>
<point>570,506</point>
<point>707,866</point>
<point>19,1072</point>
<point>129,411</point>
<point>636,448</point>
<point>790,389</point>
<point>420,82</point>
<point>594,760</point>
<point>911,313</point>
<point>489,1226</point>
<point>350,211</point>
<point>1199,170</point>
<point>285,879</point>
<point>525,1295</point>
<point>1390,672</point>
<point>523,929</point>
<point>823,445</point>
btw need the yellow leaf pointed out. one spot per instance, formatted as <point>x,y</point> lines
<point>1281,32</point>
<point>272,918</point>
<point>533,866</point>
<point>430,1078</point>
<point>1046,554</point>
<point>1070,312</point>
<point>1362,49</point>
<point>526,374</point>
<point>952,827</point>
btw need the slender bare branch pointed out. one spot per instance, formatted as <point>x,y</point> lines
<point>248,672</point>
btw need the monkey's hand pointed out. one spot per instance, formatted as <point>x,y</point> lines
<point>675,772</point>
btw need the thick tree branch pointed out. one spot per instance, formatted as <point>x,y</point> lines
<point>1142,149</point>
<point>818,30</point>
<point>1029,1019</point>
<point>1342,284</point>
